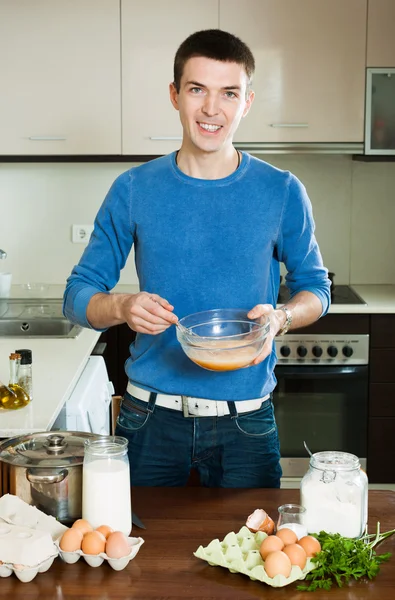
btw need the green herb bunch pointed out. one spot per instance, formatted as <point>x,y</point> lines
<point>342,558</point>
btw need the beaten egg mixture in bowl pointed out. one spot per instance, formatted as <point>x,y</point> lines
<point>222,339</point>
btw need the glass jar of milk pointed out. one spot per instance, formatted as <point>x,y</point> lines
<point>106,498</point>
<point>334,493</point>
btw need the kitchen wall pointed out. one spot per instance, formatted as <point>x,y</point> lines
<point>353,203</point>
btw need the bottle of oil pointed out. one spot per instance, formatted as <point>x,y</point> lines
<point>13,396</point>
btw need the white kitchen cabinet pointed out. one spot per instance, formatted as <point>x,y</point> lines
<point>151,34</point>
<point>381,33</point>
<point>310,68</point>
<point>60,77</point>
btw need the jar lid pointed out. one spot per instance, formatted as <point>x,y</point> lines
<point>46,449</point>
<point>335,461</point>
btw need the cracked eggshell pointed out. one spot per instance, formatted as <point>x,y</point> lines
<point>259,520</point>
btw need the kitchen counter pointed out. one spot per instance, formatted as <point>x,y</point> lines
<point>57,366</point>
<point>178,521</point>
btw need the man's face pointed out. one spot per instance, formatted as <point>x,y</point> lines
<point>212,100</point>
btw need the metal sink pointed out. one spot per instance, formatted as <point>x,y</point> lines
<point>42,328</point>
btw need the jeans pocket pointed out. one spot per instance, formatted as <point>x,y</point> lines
<point>259,423</point>
<point>133,414</point>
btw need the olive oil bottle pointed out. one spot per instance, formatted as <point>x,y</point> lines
<point>13,396</point>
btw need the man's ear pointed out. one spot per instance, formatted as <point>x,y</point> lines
<point>250,100</point>
<point>173,95</point>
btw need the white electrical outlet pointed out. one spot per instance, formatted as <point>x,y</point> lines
<point>81,233</point>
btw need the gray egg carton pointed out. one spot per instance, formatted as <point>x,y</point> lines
<point>239,552</point>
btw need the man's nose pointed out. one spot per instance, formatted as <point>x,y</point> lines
<point>211,105</point>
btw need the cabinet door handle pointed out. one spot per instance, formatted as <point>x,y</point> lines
<point>289,124</point>
<point>165,138</point>
<point>47,138</point>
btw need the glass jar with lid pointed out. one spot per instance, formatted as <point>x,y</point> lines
<point>334,492</point>
<point>106,498</point>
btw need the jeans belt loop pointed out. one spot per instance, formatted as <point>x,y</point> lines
<point>151,402</point>
<point>233,410</point>
<point>185,407</point>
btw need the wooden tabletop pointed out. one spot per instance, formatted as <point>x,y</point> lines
<point>178,521</point>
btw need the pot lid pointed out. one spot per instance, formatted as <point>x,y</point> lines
<point>46,449</point>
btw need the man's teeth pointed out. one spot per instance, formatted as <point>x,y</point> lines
<point>210,127</point>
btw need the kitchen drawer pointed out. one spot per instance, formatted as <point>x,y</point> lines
<point>338,324</point>
<point>382,400</point>
<point>382,362</point>
<point>381,450</point>
<point>382,331</point>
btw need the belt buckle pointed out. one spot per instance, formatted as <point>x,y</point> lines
<point>185,407</point>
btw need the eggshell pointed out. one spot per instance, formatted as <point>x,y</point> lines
<point>105,530</point>
<point>287,536</point>
<point>277,563</point>
<point>310,545</point>
<point>296,555</point>
<point>259,520</point>
<point>83,525</point>
<point>71,540</point>
<point>93,542</point>
<point>117,545</point>
<point>270,544</point>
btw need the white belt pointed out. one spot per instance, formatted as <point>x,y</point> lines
<point>196,407</point>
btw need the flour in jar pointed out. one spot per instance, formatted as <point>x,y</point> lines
<point>106,494</point>
<point>335,507</point>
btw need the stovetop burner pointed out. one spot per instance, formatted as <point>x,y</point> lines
<point>340,294</point>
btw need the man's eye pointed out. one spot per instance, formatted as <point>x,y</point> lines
<point>196,90</point>
<point>230,94</point>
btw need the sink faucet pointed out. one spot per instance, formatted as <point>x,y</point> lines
<point>3,254</point>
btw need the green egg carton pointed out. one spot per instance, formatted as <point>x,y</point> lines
<point>239,552</point>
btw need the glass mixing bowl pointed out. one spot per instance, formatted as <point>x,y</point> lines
<point>222,339</point>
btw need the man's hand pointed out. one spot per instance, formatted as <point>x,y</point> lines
<point>147,313</point>
<point>277,319</point>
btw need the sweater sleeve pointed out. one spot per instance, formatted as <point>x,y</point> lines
<point>105,255</point>
<point>298,247</point>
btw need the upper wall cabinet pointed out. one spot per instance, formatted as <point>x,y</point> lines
<point>60,77</point>
<point>151,34</point>
<point>310,68</point>
<point>381,33</point>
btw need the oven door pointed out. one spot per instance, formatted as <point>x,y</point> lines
<point>326,406</point>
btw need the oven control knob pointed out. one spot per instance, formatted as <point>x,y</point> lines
<point>302,351</point>
<point>285,351</point>
<point>332,351</point>
<point>317,351</point>
<point>348,351</point>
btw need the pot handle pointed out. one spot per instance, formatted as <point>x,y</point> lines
<point>47,477</point>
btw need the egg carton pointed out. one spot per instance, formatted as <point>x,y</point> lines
<point>239,552</point>
<point>15,511</point>
<point>95,560</point>
<point>26,574</point>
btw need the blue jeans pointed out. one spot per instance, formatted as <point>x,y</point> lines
<point>240,451</point>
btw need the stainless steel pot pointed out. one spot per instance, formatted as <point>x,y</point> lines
<point>45,470</point>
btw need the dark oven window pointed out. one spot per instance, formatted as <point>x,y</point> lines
<point>326,408</point>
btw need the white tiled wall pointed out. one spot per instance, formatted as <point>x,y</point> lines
<point>353,203</point>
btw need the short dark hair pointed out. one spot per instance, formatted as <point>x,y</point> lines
<point>216,44</point>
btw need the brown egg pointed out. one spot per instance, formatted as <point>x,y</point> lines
<point>83,525</point>
<point>105,530</point>
<point>296,555</point>
<point>278,563</point>
<point>259,520</point>
<point>310,545</point>
<point>93,542</point>
<point>71,540</point>
<point>117,545</point>
<point>270,544</point>
<point>287,536</point>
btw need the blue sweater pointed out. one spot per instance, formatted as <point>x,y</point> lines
<point>201,244</point>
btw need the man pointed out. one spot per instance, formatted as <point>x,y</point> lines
<point>210,226</point>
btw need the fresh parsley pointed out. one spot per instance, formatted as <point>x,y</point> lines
<point>342,558</point>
